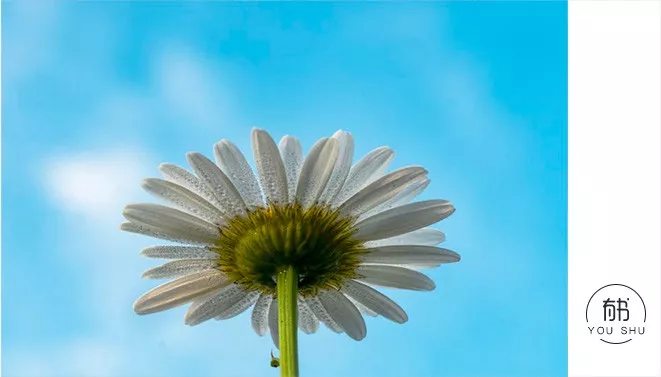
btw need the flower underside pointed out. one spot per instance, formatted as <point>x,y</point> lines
<point>317,241</point>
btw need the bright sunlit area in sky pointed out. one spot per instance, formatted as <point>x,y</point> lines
<point>96,94</point>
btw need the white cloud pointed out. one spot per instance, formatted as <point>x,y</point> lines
<point>91,189</point>
<point>95,184</point>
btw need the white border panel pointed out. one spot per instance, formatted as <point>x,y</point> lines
<point>614,176</point>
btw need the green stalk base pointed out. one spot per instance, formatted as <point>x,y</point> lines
<point>287,286</point>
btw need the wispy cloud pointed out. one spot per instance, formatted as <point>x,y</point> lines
<point>90,189</point>
<point>26,37</point>
<point>191,88</point>
<point>93,358</point>
<point>79,358</point>
<point>453,80</point>
<point>94,184</point>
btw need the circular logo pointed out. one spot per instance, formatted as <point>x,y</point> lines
<point>616,314</point>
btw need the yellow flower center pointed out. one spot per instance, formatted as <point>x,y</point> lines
<point>318,242</point>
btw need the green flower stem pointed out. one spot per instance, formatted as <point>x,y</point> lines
<point>287,282</point>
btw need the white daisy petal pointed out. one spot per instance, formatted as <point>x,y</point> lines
<point>239,307</point>
<point>178,252</point>
<point>292,158</point>
<point>395,277</point>
<point>379,171</point>
<point>382,190</point>
<point>404,219</point>
<point>408,193</point>
<point>183,199</point>
<point>273,323</point>
<point>215,305</point>
<point>342,166</point>
<point>234,164</point>
<point>184,178</point>
<point>344,313</point>
<point>307,322</point>
<point>374,300</point>
<point>171,221</point>
<point>180,291</point>
<point>364,172</point>
<point>179,268</point>
<point>151,231</point>
<point>418,266</point>
<point>260,314</point>
<point>424,236</point>
<point>316,171</point>
<point>218,183</point>
<point>362,308</point>
<point>408,266</point>
<point>322,315</point>
<point>270,169</point>
<point>413,254</point>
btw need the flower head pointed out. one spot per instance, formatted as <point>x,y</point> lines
<point>342,228</point>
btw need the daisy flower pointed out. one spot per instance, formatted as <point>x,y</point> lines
<point>302,242</point>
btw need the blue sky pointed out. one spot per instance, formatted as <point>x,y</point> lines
<point>95,95</point>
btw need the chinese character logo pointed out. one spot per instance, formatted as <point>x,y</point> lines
<point>616,314</point>
<point>610,310</point>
